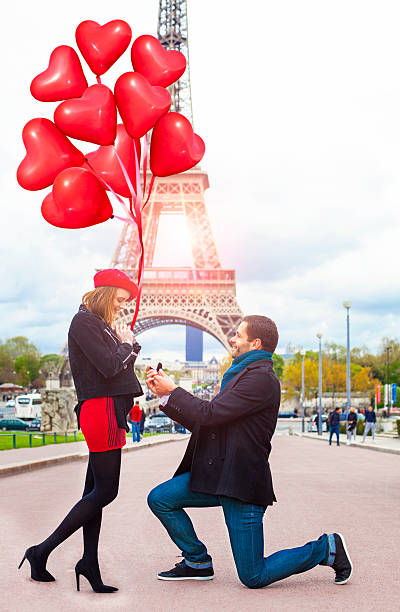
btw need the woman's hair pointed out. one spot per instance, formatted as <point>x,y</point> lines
<point>100,302</point>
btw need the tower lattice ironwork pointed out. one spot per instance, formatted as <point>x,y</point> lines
<point>203,296</point>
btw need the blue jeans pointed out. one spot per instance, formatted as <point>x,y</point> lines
<point>135,431</point>
<point>245,527</point>
<point>333,430</point>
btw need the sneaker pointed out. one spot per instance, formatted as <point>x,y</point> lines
<point>181,571</point>
<point>342,564</point>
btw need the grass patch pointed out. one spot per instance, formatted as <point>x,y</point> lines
<point>22,439</point>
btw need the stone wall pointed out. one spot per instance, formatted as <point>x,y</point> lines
<point>58,409</point>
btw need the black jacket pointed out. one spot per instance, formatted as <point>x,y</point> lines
<point>370,416</point>
<point>101,365</point>
<point>230,444</point>
<point>334,419</point>
<point>352,420</point>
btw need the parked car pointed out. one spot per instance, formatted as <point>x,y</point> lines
<point>285,414</point>
<point>11,403</point>
<point>158,422</point>
<point>34,425</point>
<point>13,425</point>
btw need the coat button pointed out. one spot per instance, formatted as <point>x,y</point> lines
<point>210,462</point>
<point>213,436</point>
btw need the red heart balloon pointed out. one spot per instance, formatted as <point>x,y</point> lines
<point>48,152</point>
<point>77,200</point>
<point>106,165</point>
<point>139,103</point>
<point>174,146</point>
<point>93,117</point>
<point>63,78</point>
<point>160,66</point>
<point>101,46</point>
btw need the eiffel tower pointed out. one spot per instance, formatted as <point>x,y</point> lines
<point>201,297</point>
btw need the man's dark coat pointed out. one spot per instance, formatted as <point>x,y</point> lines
<point>231,436</point>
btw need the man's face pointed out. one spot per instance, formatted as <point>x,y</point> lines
<point>240,342</point>
<point>120,300</point>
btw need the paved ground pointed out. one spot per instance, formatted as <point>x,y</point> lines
<point>319,489</point>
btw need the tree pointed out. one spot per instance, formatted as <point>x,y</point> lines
<point>292,377</point>
<point>225,363</point>
<point>279,365</point>
<point>19,360</point>
<point>363,380</point>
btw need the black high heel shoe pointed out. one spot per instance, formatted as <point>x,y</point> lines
<point>92,575</point>
<point>37,573</point>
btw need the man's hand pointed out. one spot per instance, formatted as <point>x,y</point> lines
<point>158,382</point>
<point>124,333</point>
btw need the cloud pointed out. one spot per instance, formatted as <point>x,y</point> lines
<point>302,135</point>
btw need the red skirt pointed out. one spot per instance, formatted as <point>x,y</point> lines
<point>99,425</point>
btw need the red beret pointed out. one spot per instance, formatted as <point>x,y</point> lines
<point>115,278</point>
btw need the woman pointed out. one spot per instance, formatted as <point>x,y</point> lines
<point>101,360</point>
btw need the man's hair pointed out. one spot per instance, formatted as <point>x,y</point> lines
<point>264,329</point>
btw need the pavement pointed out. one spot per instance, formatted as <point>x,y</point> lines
<point>319,489</point>
<point>383,444</point>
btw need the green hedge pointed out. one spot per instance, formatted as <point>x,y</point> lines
<point>360,428</point>
<point>398,426</point>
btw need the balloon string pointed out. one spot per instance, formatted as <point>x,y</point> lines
<point>124,172</point>
<point>123,219</point>
<point>138,214</point>
<point>98,79</point>
<point>150,190</point>
<point>136,204</point>
<point>100,178</point>
<point>145,158</point>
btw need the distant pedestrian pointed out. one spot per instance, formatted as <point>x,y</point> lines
<point>142,420</point>
<point>351,425</point>
<point>334,423</point>
<point>135,416</point>
<point>370,420</point>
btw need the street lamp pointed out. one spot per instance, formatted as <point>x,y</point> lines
<point>319,336</point>
<point>387,394</point>
<point>347,305</point>
<point>302,391</point>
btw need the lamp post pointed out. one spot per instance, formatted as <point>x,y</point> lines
<point>387,394</point>
<point>347,305</point>
<point>302,391</point>
<point>319,336</point>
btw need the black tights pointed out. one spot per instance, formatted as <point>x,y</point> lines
<point>101,488</point>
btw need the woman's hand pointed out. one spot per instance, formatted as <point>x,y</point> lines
<point>159,382</point>
<point>124,333</point>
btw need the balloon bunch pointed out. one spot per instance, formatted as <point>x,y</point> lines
<point>90,113</point>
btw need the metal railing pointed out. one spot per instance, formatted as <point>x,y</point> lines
<point>42,435</point>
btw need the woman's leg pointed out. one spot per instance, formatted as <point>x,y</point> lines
<point>106,469</point>
<point>91,529</point>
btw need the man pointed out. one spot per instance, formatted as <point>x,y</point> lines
<point>351,425</point>
<point>370,420</point>
<point>334,425</point>
<point>135,418</point>
<point>226,464</point>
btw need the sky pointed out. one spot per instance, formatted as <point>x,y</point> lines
<point>298,104</point>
